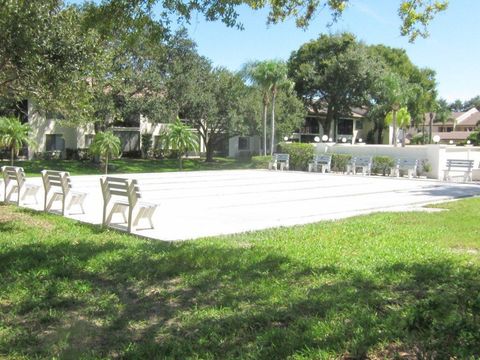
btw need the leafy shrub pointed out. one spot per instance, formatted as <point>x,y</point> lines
<point>78,154</point>
<point>260,162</point>
<point>418,139</point>
<point>425,165</point>
<point>340,161</point>
<point>49,155</point>
<point>382,164</point>
<point>146,145</point>
<point>244,155</point>
<point>300,154</point>
<point>134,154</point>
<point>474,138</point>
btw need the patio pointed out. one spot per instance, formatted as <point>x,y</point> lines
<point>210,203</point>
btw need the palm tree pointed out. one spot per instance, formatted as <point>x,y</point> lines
<point>402,119</point>
<point>278,76</point>
<point>440,114</point>
<point>396,91</point>
<point>181,139</point>
<point>258,73</point>
<point>13,135</point>
<point>270,76</point>
<point>106,145</point>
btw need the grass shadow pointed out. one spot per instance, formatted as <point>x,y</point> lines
<point>84,292</point>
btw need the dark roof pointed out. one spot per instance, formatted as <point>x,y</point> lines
<point>471,120</point>
<point>453,135</point>
<point>355,112</point>
<point>450,121</point>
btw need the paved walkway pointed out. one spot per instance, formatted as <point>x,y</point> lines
<point>208,203</point>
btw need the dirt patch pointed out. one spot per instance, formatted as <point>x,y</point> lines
<point>393,351</point>
<point>10,214</point>
<point>470,251</point>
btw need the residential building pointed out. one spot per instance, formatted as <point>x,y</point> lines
<point>456,129</point>
<point>352,127</point>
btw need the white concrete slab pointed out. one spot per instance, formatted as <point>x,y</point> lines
<point>209,203</point>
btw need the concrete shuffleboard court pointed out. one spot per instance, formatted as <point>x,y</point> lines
<point>209,203</point>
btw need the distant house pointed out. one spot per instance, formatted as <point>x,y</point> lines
<point>352,127</point>
<point>456,129</point>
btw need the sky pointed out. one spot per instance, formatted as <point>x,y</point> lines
<point>452,49</point>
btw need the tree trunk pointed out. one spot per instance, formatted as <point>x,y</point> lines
<point>180,165</point>
<point>394,124</point>
<point>430,129</point>
<point>404,136</point>
<point>12,155</point>
<point>380,135</point>
<point>274,93</point>
<point>329,123</point>
<point>209,152</point>
<point>106,164</point>
<point>265,111</point>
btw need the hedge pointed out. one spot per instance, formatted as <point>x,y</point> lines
<point>340,161</point>
<point>260,162</point>
<point>382,164</point>
<point>300,154</point>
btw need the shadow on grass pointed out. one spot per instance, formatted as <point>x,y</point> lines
<point>100,294</point>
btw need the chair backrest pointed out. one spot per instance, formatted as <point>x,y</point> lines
<point>60,179</point>
<point>363,161</point>
<point>455,163</point>
<point>407,163</point>
<point>13,173</point>
<point>322,159</point>
<point>120,187</point>
<point>281,157</point>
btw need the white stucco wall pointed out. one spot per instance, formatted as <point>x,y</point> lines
<point>436,155</point>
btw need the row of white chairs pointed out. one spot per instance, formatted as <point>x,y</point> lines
<point>120,196</point>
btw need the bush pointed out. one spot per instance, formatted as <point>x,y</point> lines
<point>418,139</point>
<point>425,166</point>
<point>146,145</point>
<point>78,154</point>
<point>300,154</point>
<point>474,138</point>
<point>134,154</point>
<point>340,161</point>
<point>260,162</point>
<point>382,164</point>
<point>244,155</point>
<point>49,155</point>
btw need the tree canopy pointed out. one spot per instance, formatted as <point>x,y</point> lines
<point>46,55</point>
<point>334,72</point>
<point>415,15</point>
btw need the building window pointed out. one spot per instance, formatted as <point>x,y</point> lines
<point>54,142</point>
<point>243,143</point>
<point>359,125</point>
<point>345,127</point>
<point>88,140</point>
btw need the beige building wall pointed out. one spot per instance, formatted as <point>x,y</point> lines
<point>74,136</point>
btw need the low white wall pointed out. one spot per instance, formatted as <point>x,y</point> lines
<point>436,155</point>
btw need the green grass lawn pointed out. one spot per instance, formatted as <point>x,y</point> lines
<point>122,166</point>
<point>389,285</point>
